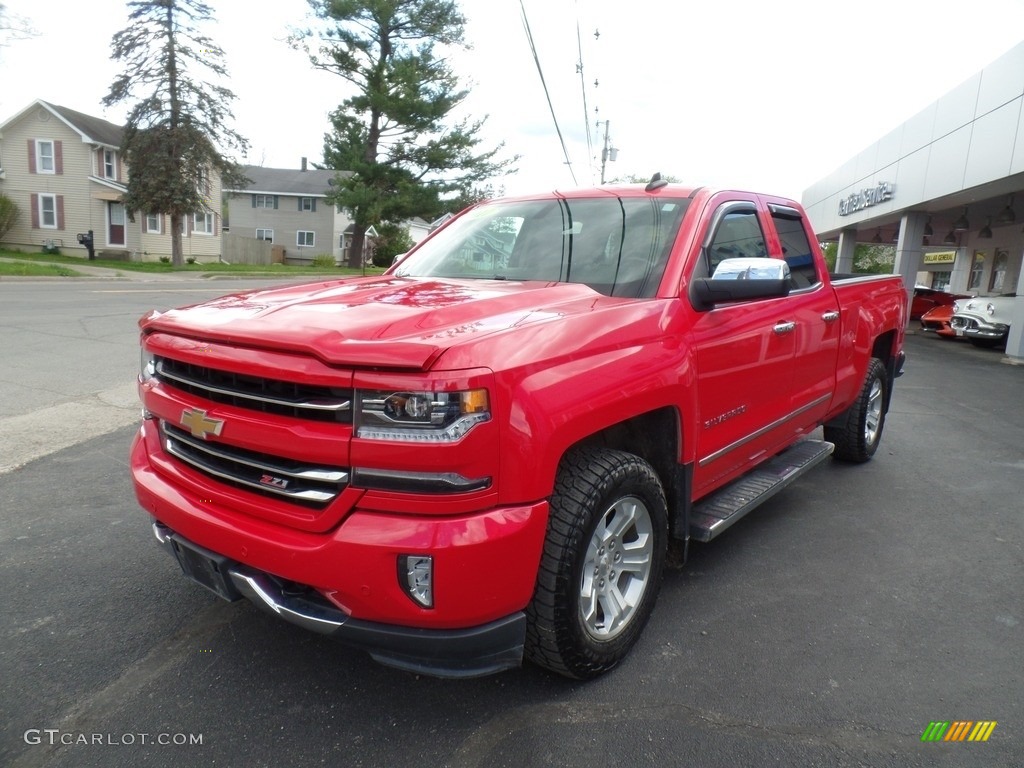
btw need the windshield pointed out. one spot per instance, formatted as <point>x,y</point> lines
<point>617,246</point>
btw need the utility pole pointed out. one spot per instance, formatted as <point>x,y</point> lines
<point>607,153</point>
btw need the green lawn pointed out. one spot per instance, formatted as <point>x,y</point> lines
<point>39,259</point>
<point>28,269</point>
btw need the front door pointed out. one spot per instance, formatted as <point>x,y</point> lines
<point>115,229</point>
<point>745,353</point>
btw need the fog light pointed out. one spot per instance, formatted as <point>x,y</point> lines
<point>416,577</point>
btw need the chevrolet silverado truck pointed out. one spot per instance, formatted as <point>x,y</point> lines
<point>490,452</point>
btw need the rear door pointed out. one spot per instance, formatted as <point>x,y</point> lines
<point>814,309</point>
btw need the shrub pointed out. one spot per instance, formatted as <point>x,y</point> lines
<point>324,261</point>
<point>165,259</point>
<point>190,260</point>
<point>9,215</point>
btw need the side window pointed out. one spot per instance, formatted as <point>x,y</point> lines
<point>796,249</point>
<point>738,235</point>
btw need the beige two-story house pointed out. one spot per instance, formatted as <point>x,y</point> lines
<point>288,207</point>
<point>65,172</point>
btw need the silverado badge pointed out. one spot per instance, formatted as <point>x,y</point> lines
<point>199,424</point>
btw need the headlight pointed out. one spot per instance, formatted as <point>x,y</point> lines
<point>956,307</point>
<point>420,416</point>
<point>147,365</point>
<point>990,308</point>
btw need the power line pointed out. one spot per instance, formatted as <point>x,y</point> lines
<point>547,94</point>
<point>583,84</point>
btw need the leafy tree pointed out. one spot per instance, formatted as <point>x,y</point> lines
<point>635,178</point>
<point>397,134</point>
<point>9,215</point>
<point>867,258</point>
<point>392,239</point>
<point>13,27</point>
<point>176,134</point>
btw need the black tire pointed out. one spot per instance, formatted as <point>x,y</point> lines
<point>857,432</point>
<point>608,509</point>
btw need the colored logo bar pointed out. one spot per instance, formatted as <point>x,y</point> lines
<point>959,730</point>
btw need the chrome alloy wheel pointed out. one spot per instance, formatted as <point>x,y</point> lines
<point>873,417</point>
<point>617,568</point>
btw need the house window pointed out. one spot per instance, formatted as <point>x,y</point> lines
<point>977,267</point>
<point>999,265</point>
<point>48,211</point>
<point>109,164</point>
<point>44,157</point>
<point>264,201</point>
<point>265,234</point>
<point>941,280</point>
<point>153,221</point>
<point>305,239</point>
<point>307,204</point>
<point>202,223</point>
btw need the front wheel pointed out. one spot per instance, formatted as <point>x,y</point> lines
<point>857,431</point>
<point>602,563</point>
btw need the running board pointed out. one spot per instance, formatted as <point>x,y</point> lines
<point>714,514</point>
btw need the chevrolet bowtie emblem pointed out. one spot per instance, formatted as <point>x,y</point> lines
<point>199,424</point>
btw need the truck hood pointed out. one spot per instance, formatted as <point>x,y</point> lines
<point>375,321</point>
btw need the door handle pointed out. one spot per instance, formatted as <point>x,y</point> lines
<point>830,317</point>
<point>784,328</point>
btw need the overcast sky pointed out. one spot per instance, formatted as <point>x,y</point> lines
<point>750,94</point>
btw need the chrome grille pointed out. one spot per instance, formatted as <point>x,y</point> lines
<point>284,398</point>
<point>261,472</point>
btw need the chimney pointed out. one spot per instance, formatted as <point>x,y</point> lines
<point>303,163</point>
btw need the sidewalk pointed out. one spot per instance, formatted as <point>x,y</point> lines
<point>86,270</point>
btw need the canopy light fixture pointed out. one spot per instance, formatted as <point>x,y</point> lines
<point>928,231</point>
<point>986,231</point>
<point>1006,216</point>
<point>878,236</point>
<point>962,224</point>
<point>950,239</point>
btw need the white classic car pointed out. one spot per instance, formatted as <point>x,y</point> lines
<point>984,321</point>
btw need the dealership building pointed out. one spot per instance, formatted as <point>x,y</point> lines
<point>946,188</point>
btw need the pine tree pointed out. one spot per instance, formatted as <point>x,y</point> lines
<point>176,134</point>
<point>396,134</point>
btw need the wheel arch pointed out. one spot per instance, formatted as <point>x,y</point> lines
<point>655,436</point>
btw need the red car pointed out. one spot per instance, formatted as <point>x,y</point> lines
<point>926,299</point>
<point>937,321</point>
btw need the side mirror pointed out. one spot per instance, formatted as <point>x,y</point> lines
<point>741,279</point>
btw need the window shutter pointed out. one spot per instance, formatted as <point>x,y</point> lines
<point>60,211</point>
<point>314,205</point>
<point>216,224</point>
<point>58,157</point>
<point>300,203</point>
<point>275,202</point>
<point>35,207</point>
<point>99,162</point>
<point>32,158</point>
<point>253,200</point>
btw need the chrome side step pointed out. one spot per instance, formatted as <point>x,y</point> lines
<point>715,513</point>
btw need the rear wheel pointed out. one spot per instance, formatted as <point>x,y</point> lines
<point>602,563</point>
<point>858,430</point>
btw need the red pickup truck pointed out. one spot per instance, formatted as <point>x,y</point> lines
<point>491,450</point>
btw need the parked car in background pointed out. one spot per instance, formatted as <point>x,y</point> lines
<point>936,320</point>
<point>926,299</point>
<point>984,321</point>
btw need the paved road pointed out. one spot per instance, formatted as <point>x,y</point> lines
<point>829,628</point>
<point>70,354</point>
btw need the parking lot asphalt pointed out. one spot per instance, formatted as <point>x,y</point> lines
<point>829,628</point>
